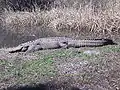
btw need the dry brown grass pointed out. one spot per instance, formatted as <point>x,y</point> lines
<point>67,20</point>
<point>101,71</point>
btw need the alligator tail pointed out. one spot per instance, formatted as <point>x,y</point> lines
<point>90,43</point>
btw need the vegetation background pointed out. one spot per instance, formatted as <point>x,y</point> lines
<point>24,20</point>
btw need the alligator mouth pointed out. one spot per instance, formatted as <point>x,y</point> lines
<point>19,50</point>
<point>13,51</point>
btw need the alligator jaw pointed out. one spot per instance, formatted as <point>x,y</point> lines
<point>16,49</point>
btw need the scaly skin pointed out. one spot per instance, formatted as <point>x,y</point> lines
<point>58,42</point>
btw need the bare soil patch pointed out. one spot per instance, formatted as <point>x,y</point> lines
<point>69,67</point>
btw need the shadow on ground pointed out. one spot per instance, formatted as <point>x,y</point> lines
<point>47,86</point>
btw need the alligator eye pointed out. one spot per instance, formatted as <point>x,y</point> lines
<point>65,42</point>
<point>38,43</point>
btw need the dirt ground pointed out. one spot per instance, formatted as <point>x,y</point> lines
<point>85,68</point>
<point>89,68</point>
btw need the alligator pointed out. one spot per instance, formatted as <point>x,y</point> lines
<point>58,42</point>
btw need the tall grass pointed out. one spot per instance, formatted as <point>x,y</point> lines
<point>68,19</point>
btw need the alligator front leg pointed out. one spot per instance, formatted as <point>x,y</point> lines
<point>64,44</point>
<point>30,49</point>
<point>34,47</point>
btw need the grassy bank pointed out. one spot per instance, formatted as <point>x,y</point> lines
<point>89,70</point>
<point>73,18</point>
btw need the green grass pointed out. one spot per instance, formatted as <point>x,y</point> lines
<point>110,49</point>
<point>20,71</point>
<point>72,53</point>
<point>27,71</point>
